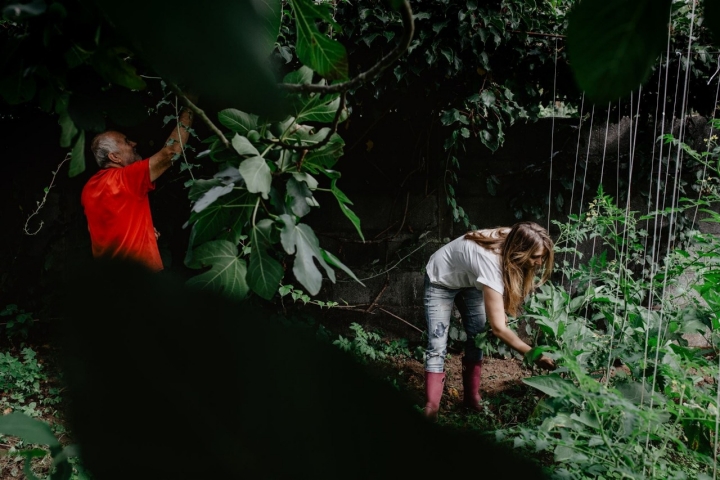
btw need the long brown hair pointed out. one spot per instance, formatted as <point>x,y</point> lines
<point>516,245</point>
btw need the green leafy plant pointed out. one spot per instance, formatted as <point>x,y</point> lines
<point>630,398</point>
<point>299,295</point>
<point>370,345</point>
<point>20,379</point>
<point>17,322</point>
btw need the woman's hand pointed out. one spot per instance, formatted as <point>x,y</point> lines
<point>495,311</point>
<point>546,362</point>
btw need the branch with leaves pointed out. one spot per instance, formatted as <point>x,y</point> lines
<point>267,182</point>
<point>372,72</point>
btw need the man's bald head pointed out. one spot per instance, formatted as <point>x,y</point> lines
<point>113,148</point>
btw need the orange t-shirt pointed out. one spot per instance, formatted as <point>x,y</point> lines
<point>118,212</point>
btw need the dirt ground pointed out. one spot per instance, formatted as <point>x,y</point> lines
<point>498,376</point>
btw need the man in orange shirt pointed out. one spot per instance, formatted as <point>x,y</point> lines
<point>116,201</point>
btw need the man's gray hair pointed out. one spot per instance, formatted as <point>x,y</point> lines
<point>103,145</point>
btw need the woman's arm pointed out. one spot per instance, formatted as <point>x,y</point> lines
<point>495,311</point>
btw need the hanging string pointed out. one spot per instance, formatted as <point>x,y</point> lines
<point>653,264</point>
<point>552,137</point>
<point>673,202</point>
<point>707,149</point>
<point>602,172</point>
<point>577,152</point>
<point>672,131</point>
<point>587,161</point>
<point>658,218</point>
<point>617,164</point>
<point>577,155</point>
<point>652,157</point>
<point>607,129</point>
<point>625,246</point>
<point>717,424</point>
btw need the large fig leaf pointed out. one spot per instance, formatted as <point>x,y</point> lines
<point>257,175</point>
<point>300,197</point>
<point>301,240</point>
<point>224,217</point>
<point>317,108</point>
<point>315,49</point>
<point>325,156</point>
<point>228,271</point>
<point>265,272</point>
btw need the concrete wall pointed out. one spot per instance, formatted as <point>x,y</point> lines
<point>399,194</point>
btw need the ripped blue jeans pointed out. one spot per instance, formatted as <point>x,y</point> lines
<point>438,307</point>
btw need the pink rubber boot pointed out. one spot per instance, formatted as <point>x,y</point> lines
<point>434,383</point>
<point>471,374</point>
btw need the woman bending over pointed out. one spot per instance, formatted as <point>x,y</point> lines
<point>485,273</point>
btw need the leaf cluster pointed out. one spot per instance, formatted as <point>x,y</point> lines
<point>265,185</point>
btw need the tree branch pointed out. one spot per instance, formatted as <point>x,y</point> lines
<point>375,70</point>
<point>200,113</point>
<point>537,34</point>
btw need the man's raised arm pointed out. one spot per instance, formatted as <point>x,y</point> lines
<point>162,160</point>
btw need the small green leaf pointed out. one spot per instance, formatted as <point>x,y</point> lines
<point>552,385</point>
<point>298,193</point>
<point>335,262</point>
<point>534,354</point>
<point>257,175</point>
<point>308,179</point>
<point>237,121</point>
<point>344,201</point>
<point>243,146</point>
<point>488,98</point>
<point>302,76</point>
<point>317,108</point>
<point>567,454</point>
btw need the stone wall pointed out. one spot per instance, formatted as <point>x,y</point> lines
<point>405,216</point>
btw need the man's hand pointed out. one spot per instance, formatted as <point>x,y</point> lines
<point>157,234</point>
<point>174,145</point>
<point>546,362</point>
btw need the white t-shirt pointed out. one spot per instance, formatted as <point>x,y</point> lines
<point>462,264</point>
